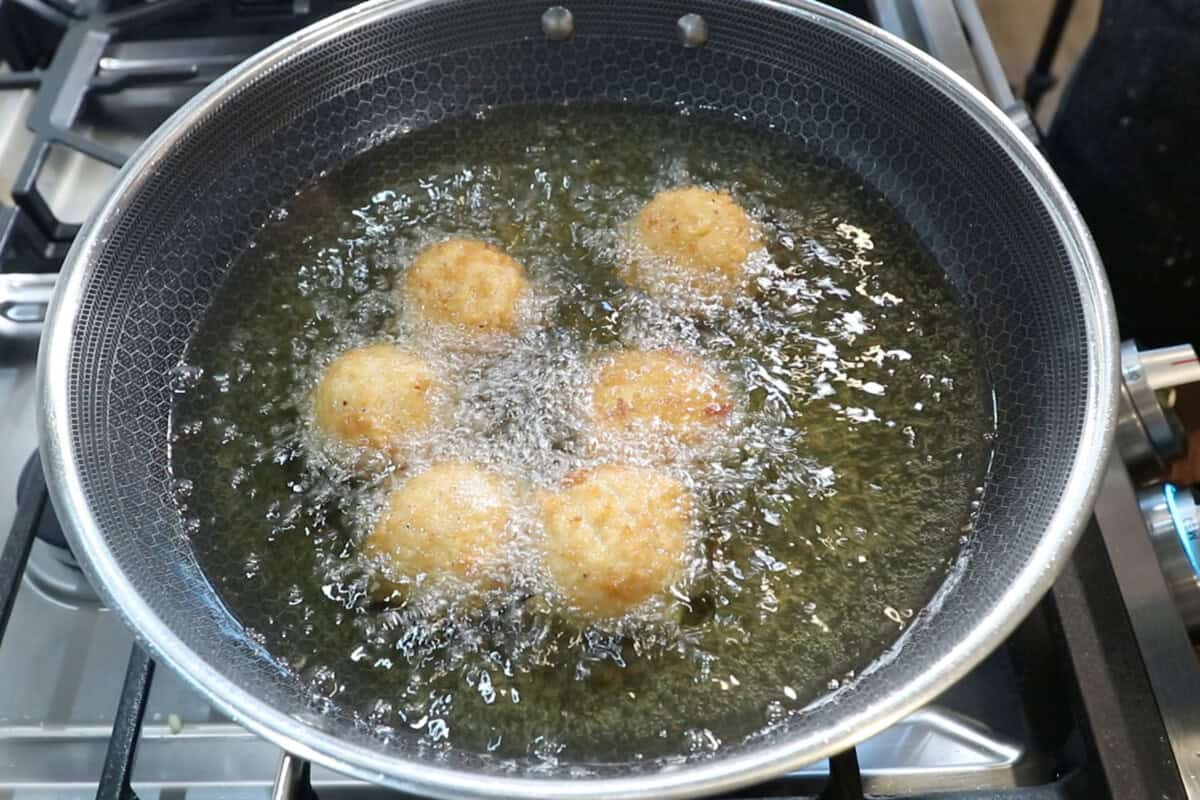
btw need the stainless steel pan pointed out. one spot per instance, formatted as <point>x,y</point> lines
<point>142,275</point>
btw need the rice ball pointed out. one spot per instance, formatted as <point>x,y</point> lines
<point>469,283</point>
<point>450,521</point>
<point>698,239</point>
<point>374,396</point>
<point>659,391</point>
<point>616,536</point>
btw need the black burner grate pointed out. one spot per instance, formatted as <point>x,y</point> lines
<point>60,50</point>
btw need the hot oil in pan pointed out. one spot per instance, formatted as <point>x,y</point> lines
<point>827,514</point>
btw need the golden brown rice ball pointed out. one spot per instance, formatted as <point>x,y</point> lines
<point>648,390</point>
<point>703,239</point>
<point>452,520</point>
<point>467,282</point>
<point>374,396</point>
<point>615,537</point>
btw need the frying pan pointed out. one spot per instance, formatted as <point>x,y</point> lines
<point>145,270</point>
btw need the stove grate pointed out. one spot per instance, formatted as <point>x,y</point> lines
<point>67,65</point>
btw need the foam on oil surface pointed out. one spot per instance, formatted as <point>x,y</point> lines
<point>828,508</point>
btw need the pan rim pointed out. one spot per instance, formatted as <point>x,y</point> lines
<point>720,773</point>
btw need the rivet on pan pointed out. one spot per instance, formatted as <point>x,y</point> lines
<point>558,23</point>
<point>693,30</point>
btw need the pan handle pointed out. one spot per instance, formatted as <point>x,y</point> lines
<point>24,301</point>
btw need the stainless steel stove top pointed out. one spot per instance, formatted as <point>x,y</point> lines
<point>64,655</point>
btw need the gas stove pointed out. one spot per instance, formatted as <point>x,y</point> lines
<point>1095,696</point>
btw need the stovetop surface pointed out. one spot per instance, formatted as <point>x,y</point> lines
<point>1020,720</point>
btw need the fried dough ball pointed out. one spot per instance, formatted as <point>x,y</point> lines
<point>616,536</point>
<point>374,396</point>
<point>701,240</point>
<point>467,282</point>
<point>640,390</point>
<point>452,520</point>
